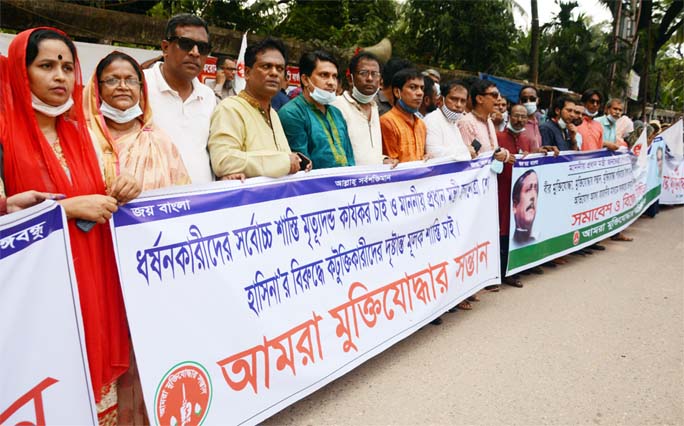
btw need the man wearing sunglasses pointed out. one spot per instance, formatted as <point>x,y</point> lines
<point>182,105</point>
<point>590,129</point>
<point>529,98</point>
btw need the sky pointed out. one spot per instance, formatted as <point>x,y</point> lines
<point>549,8</point>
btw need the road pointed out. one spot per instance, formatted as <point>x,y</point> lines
<point>599,341</point>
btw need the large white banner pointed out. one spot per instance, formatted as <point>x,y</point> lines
<point>44,375</point>
<point>561,204</point>
<point>244,299</point>
<point>671,162</point>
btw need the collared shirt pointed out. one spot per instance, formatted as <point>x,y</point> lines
<point>186,122</point>
<point>246,139</point>
<point>322,138</point>
<point>364,133</point>
<point>609,129</point>
<point>402,138</point>
<point>623,127</point>
<point>443,138</point>
<point>531,135</point>
<point>592,134</point>
<point>223,90</point>
<point>384,104</point>
<point>553,135</point>
<point>472,128</point>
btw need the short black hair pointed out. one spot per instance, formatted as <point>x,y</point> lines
<point>479,87</point>
<point>268,43</point>
<point>429,89</point>
<point>445,88</point>
<point>402,76</point>
<point>517,188</point>
<point>107,60</point>
<point>307,63</point>
<point>560,104</point>
<point>38,36</point>
<point>354,62</point>
<point>223,58</point>
<point>393,66</point>
<point>184,20</point>
<point>527,86</point>
<point>589,93</point>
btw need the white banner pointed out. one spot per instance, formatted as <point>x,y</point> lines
<point>247,298</point>
<point>44,375</point>
<point>671,163</point>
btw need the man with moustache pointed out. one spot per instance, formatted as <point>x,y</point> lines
<point>360,110</point>
<point>430,97</point>
<point>182,105</point>
<point>403,132</point>
<point>558,130</point>
<point>525,196</point>
<point>590,129</point>
<point>613,111</point>
<point>313,126</point>
<point>247,138</point>
<point>443,137</point>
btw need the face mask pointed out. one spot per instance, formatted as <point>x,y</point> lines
<point>590,114</point>
<point>531,107</point>
<point>562,124</point>
<point>497,166</point>
<point>611,119</point>
<point>49,110</point>
<point>360,97</point>
<point>323,97</point>
<point>450,115</point>
<point>505,116</point>
<point>407,108</point>
<point>118,116</point>
<point>514,130</point>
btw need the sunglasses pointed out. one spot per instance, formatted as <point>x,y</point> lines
<point>594,101</point>
<point>528,98</point>
<point>492,94</point>
<point>187,44</point>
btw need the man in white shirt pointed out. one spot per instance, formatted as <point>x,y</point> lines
<point>181,105</point>
<point>443,137</point>
<point>361,112</point>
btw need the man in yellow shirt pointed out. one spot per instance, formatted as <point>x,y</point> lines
<point>246,138</point>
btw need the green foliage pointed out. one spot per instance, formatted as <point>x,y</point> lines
<point>671,91</point>
<point>470,35</point>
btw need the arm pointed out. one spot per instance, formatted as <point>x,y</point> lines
<point>230,154</point>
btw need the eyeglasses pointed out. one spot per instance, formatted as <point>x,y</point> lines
<point>187,44</point>
<point>594,101</point>
<point>115,82</point>
<point>519,116</point>
<point>528,99</point>
<point>366,73</point>
<point>494,95</point>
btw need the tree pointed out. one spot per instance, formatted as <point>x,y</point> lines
<point>534,49</point>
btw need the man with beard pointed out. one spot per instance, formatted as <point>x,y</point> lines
<point>557,130</point>
<point>247,138</point>
<point>360,110</point>
<point>525,196</point>
<point>430,97</point>
<point>182,105</point>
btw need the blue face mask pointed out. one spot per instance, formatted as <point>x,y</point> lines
<point>407,108</point>
<point>497,166</point>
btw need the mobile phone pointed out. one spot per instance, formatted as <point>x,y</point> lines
<point>85,225</point>
<point>476,145</point>
<point>303,161</point>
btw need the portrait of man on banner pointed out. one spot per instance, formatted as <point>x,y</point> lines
<point>525,197</point>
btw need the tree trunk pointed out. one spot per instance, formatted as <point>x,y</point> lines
<point>534,47</point>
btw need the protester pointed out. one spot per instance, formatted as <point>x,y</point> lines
<point>360,111</point>
<point>120,118</point>
<point>529,98</point>
<point>556,131</point>
<point>23,200</point>
<point>313,126</point>
<point>225,76</point>
<point>500,115</point>
<point>434,75</point>
<point>182,105</point>
<point>403,132</point>
<point>430,97</point>
<point>47,148</point>
<point>576,122</point>
<point>443,137</point>
<point>281,98</point>
<point>247,139</point>
<point>613,111</point>
<point>385,98</point>
<point>590,129</point>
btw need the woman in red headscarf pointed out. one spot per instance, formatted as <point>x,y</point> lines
<point>47,147</point>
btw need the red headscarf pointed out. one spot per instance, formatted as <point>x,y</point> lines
<point>30,163</point>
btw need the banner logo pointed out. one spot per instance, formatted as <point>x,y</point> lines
<point>575,238</point>
<point>183,396</point>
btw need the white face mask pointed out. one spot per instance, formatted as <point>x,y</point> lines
<point>360,97</point>
<point>590,114</point>
<point>118,116</point>
<point>611,118</point>
<point>531,107</point>
<point>321,96</point>
<point>562,124</point>
<point>49,110</point>
<point>514,130</point>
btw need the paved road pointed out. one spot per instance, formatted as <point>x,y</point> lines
<point>599,341</point>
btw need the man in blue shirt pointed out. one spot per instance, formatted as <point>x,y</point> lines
<point>313,126</point>
<point>555,132</point>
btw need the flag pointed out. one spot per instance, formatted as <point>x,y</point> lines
<point>239,83</point>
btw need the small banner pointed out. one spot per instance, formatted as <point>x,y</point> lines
<point>44,376</point>
<point>671,164</point>
<point>561,204</point>
<point>244,299</point>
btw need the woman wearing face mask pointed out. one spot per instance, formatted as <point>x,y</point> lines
<point>47,147</point>
<point>120,117</point>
